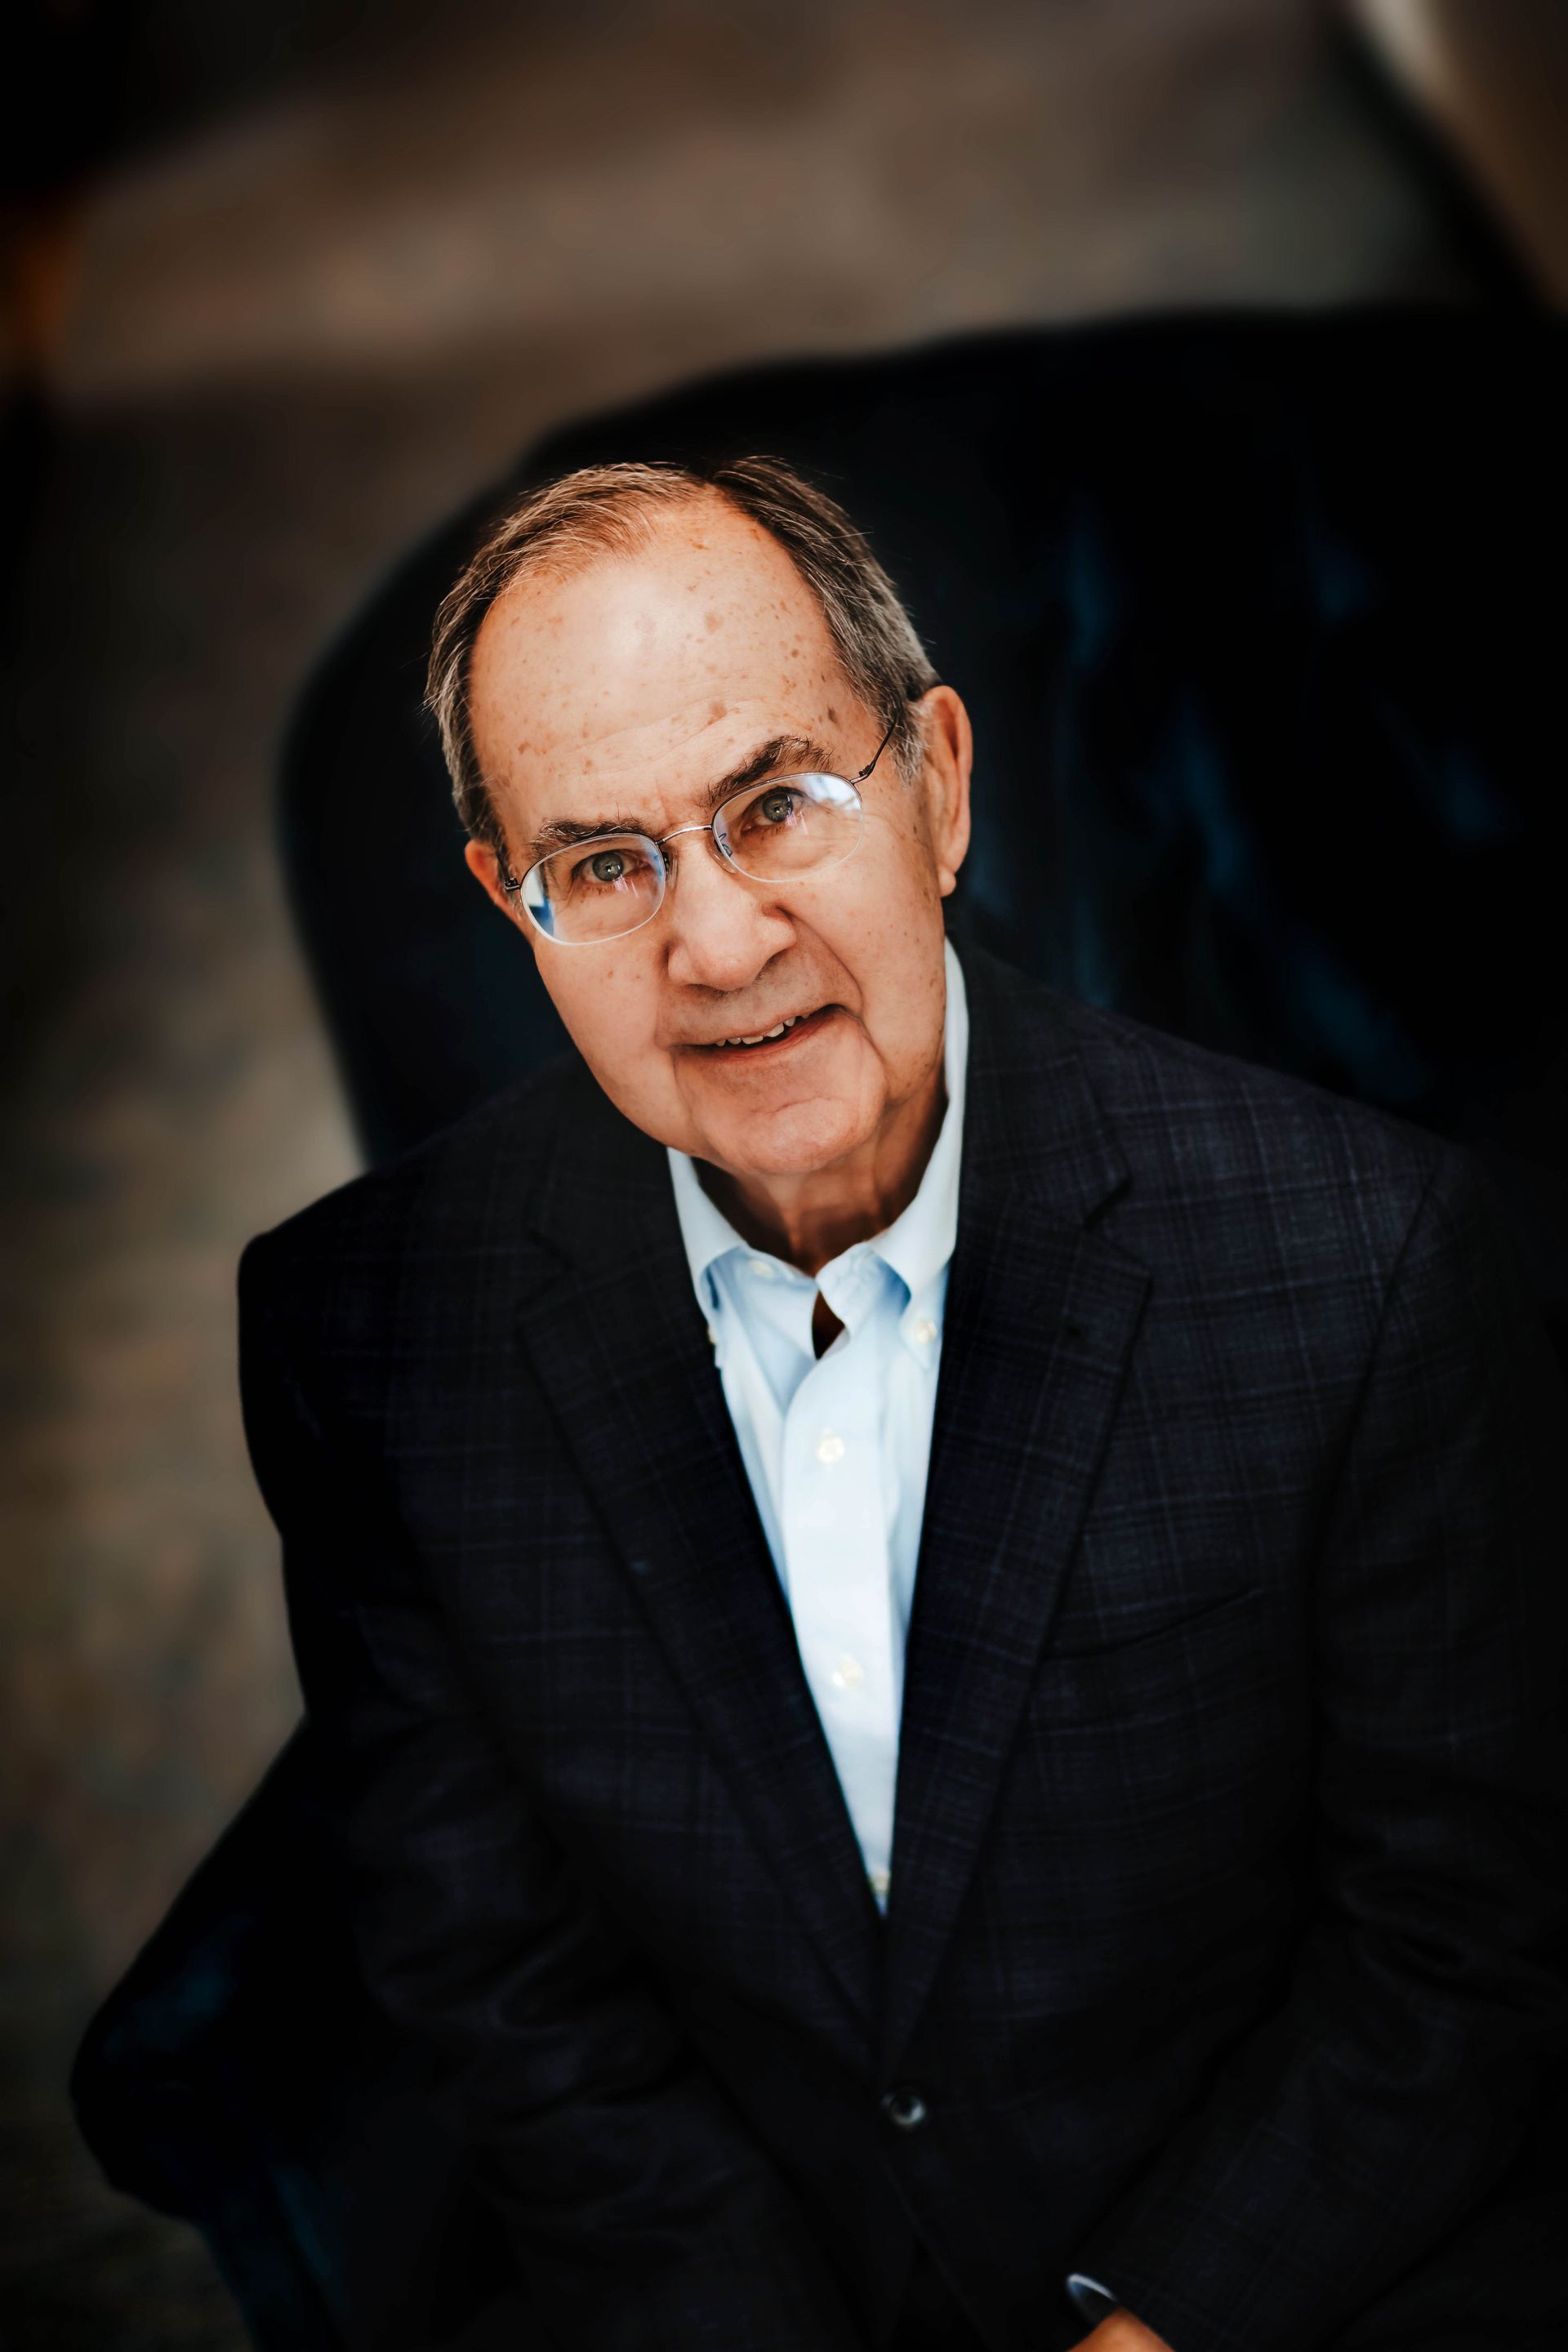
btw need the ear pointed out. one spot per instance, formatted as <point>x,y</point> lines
<point>482,862</point>
<point>949,759</point>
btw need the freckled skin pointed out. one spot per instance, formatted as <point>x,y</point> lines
<point>628,687</point>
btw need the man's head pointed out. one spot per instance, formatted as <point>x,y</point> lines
<point>629,643</point>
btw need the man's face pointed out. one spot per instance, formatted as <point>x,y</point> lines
<point>620,696</point>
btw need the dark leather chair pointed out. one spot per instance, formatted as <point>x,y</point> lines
<point>1255,619</point>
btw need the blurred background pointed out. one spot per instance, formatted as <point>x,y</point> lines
<point>282,283</point>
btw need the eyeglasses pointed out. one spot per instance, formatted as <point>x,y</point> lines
<point>777,831</point>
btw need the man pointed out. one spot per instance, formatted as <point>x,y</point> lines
<point>933,1615</point>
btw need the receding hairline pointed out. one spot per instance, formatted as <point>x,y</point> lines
<point>582,560</point>
<point>561,528</point>
<point>568,554</point>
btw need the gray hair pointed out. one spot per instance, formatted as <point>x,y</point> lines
<point>610,510</point>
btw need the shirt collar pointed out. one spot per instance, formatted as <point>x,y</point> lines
<point>919,1242</point>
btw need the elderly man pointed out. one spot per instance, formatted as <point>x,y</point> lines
<point>931,1612</point>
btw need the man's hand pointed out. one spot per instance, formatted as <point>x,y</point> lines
<point>1120,2331</point>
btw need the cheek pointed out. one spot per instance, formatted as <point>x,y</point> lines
<point>896,859</point>
<point>895,948</point>
<point>608,1011</point>
<point>890,926</point>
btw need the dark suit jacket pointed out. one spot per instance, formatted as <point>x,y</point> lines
<point>1231,1787</point>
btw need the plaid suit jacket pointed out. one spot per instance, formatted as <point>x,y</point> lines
<point>1219,1955</point>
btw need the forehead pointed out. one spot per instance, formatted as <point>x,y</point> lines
<point>704,636</point>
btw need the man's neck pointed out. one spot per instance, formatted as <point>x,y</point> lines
<point>807,1220</point>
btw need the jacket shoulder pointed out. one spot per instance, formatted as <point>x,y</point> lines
<point>450,1183</point>
<point>1146,1068</point>
<point>1248,1150</point>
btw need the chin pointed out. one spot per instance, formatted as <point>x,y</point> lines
<point>796,1141</point>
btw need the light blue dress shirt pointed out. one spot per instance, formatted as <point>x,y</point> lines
<point>836,1447</point>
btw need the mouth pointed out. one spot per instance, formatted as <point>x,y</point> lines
<point>766,1044</point>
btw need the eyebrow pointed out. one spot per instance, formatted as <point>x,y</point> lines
<point>781,755</point>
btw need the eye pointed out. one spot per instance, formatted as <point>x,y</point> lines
<point>605,869</point>
<point>775,806</point>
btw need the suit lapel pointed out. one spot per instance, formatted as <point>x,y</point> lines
<point>1040,1321</point>
<point>618,1342</point>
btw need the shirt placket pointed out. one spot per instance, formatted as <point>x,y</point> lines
<point>835,1542</point>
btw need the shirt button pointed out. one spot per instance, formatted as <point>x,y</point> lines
<point>848,1675</point>
<point>830,1448</point>
<point>924,1333</point>
<point>762,1269</point>
<point>713,1335</point>
<point>904,2107</point>
<point>880,1881</point>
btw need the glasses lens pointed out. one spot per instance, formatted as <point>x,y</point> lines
<point>596,889</point>
<point>791,825</point>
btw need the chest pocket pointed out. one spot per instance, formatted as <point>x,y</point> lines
<point>1180,1740</point>
<point>1084,1658</point>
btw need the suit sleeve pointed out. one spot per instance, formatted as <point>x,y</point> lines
<point>1342,2141</point>
<point>640,2212</point>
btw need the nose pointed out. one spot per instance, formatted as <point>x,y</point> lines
<point>722,929</point>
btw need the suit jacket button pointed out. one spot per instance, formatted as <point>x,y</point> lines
<point>904,2107</point>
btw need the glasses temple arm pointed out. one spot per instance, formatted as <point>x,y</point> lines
<point>880,748</point>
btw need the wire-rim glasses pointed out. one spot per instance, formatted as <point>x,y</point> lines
<point>778,831</point>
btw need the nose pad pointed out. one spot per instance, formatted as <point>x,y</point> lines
<point>713,846</point>
<point>719,835</point>
<point>671,863</point>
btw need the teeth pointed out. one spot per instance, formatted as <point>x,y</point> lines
<point>764,1037</point>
